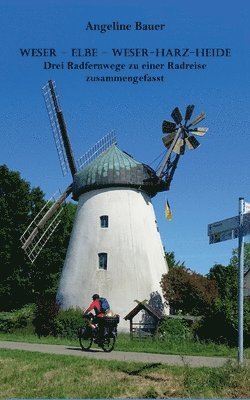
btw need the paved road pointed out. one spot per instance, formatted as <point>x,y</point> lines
<point>192,361</point>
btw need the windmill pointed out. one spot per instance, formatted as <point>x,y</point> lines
<point>115,247</point>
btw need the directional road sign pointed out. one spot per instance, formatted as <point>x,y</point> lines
<point>224,225</point>
<point>222,236</point>
<point>246,224</point>
<point>228,229</point>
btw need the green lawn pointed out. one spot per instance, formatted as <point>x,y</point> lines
<point>30,374</point>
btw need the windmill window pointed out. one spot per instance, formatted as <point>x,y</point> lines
<point>103,260</point>
<point>104,221</point>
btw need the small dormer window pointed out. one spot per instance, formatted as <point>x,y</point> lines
<point>104,221</point>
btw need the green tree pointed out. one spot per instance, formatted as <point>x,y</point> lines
<point>17,200</point>
<point>234,259</point>
<point>171,261</point>
<point>20,281</point>
<point>226,280</point>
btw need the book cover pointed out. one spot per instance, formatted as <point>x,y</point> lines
<point>158,93</point>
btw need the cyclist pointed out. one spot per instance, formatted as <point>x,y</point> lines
<point>97,320</point>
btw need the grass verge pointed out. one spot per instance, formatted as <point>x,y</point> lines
<point>27,375</point>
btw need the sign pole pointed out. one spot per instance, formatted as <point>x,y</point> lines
<point>240,281</point>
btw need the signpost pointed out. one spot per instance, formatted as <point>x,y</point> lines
<point>228,228</point>
<point>232,228</point>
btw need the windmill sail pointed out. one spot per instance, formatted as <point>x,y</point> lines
<point>177,137</point>
<point>102,145</point>
<point>59,129</point>
<point>163,170</point>
<point>43,225</point>
<point>189,112</point>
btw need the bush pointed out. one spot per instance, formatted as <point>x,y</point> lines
<point>68,322</point>
<point>16,319</point>
<point>174,329</point>
<point>45,316</point>
<point>220,324</point>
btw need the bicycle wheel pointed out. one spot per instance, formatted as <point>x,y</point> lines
<point>85,338</point>
<point>108,342</point>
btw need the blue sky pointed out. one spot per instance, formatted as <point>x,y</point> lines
<point>208,180</point>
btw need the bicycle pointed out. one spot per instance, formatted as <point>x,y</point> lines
<point>107,325</point>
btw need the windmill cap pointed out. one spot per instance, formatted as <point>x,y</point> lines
<point>115,168</point>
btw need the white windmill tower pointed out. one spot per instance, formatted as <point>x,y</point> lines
<point>115,247</point>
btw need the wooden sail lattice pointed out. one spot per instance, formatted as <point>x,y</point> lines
<point>43,226</point>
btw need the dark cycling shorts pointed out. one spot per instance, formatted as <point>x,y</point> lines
<point>97,320</point>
